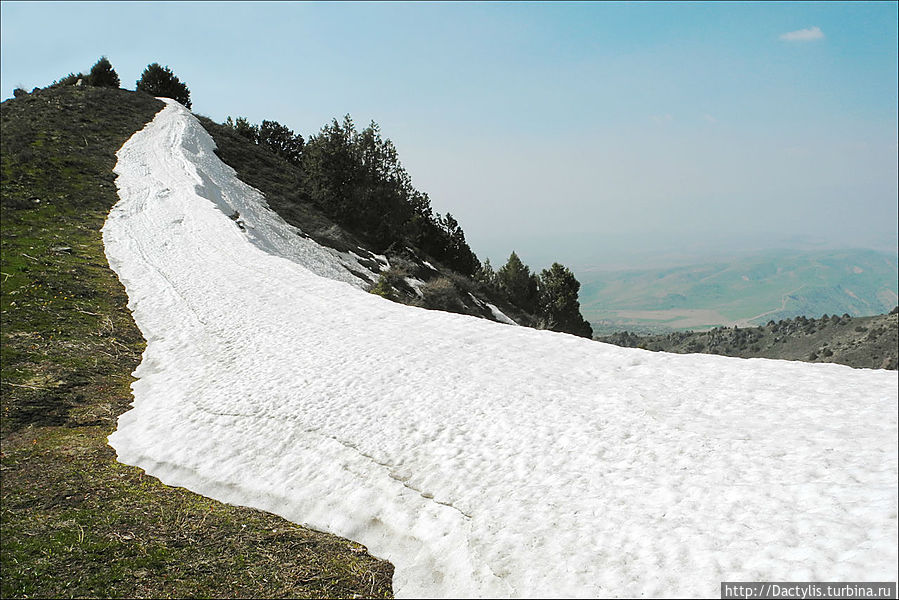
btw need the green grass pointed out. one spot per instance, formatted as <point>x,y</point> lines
<point>74,522</point>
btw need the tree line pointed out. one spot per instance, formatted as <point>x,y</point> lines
<point>155,80</point>
<point>356,178</point>
<point>551,296</point>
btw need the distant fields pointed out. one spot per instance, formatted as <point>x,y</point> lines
<point>747,291</point>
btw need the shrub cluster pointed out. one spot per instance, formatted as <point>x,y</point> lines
<point>552,296</point>
<point>157,80</point>
<point>356,178</point>
<point>441,294</point>
<point>102,74</point>
<point>271,134</point>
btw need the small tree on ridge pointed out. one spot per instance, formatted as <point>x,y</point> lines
<point>559,307</point>
<point>103,75</point>
<point>160,81</point>
<point>519,284</point>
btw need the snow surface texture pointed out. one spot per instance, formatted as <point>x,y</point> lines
<point>481,459</point>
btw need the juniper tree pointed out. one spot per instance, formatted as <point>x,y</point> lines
<point>357,179</point>
<point>559,308</point>
<point>103,75</point>
<point>160,81</point>
<point>458,254</point>
<point>244,128</point>
<point>518,283</point>
<point>281,140</point>
<point>486,274</point>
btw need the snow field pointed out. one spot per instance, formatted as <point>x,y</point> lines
<point>481,459</point>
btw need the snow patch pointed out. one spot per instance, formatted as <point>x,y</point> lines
<point>500,315</point>
<point>415,284</point>
<point>482,460</point>
<point>497,313</point>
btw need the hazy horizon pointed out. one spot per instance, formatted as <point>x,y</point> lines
<point>588,133</point>
<point>627,251</point>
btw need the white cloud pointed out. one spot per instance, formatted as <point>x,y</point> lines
<point>803,35</point>
<point>710,118</point>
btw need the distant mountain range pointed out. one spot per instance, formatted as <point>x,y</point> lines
<point>744,291</point>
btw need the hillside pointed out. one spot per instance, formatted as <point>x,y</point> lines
<point>457,447</point>
<point>406,273</point>
<point>75,522</point>
<point>745,291</point>
<point>861,342</point>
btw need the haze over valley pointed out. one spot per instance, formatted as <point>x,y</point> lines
<point>744,290</point>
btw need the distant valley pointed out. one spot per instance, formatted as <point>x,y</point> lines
<point>748,290</point>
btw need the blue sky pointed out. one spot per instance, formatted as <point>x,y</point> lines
<point>575,131</point>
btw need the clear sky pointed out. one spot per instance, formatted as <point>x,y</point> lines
<point>562,130</point>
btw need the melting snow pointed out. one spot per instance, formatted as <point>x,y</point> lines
<point>497,313</point>
<point>415,283</point>
<point>500,315</point>
<point>481,459</point>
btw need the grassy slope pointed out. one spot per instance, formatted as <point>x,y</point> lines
<point>862,342</point>
<point>74,521</point>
